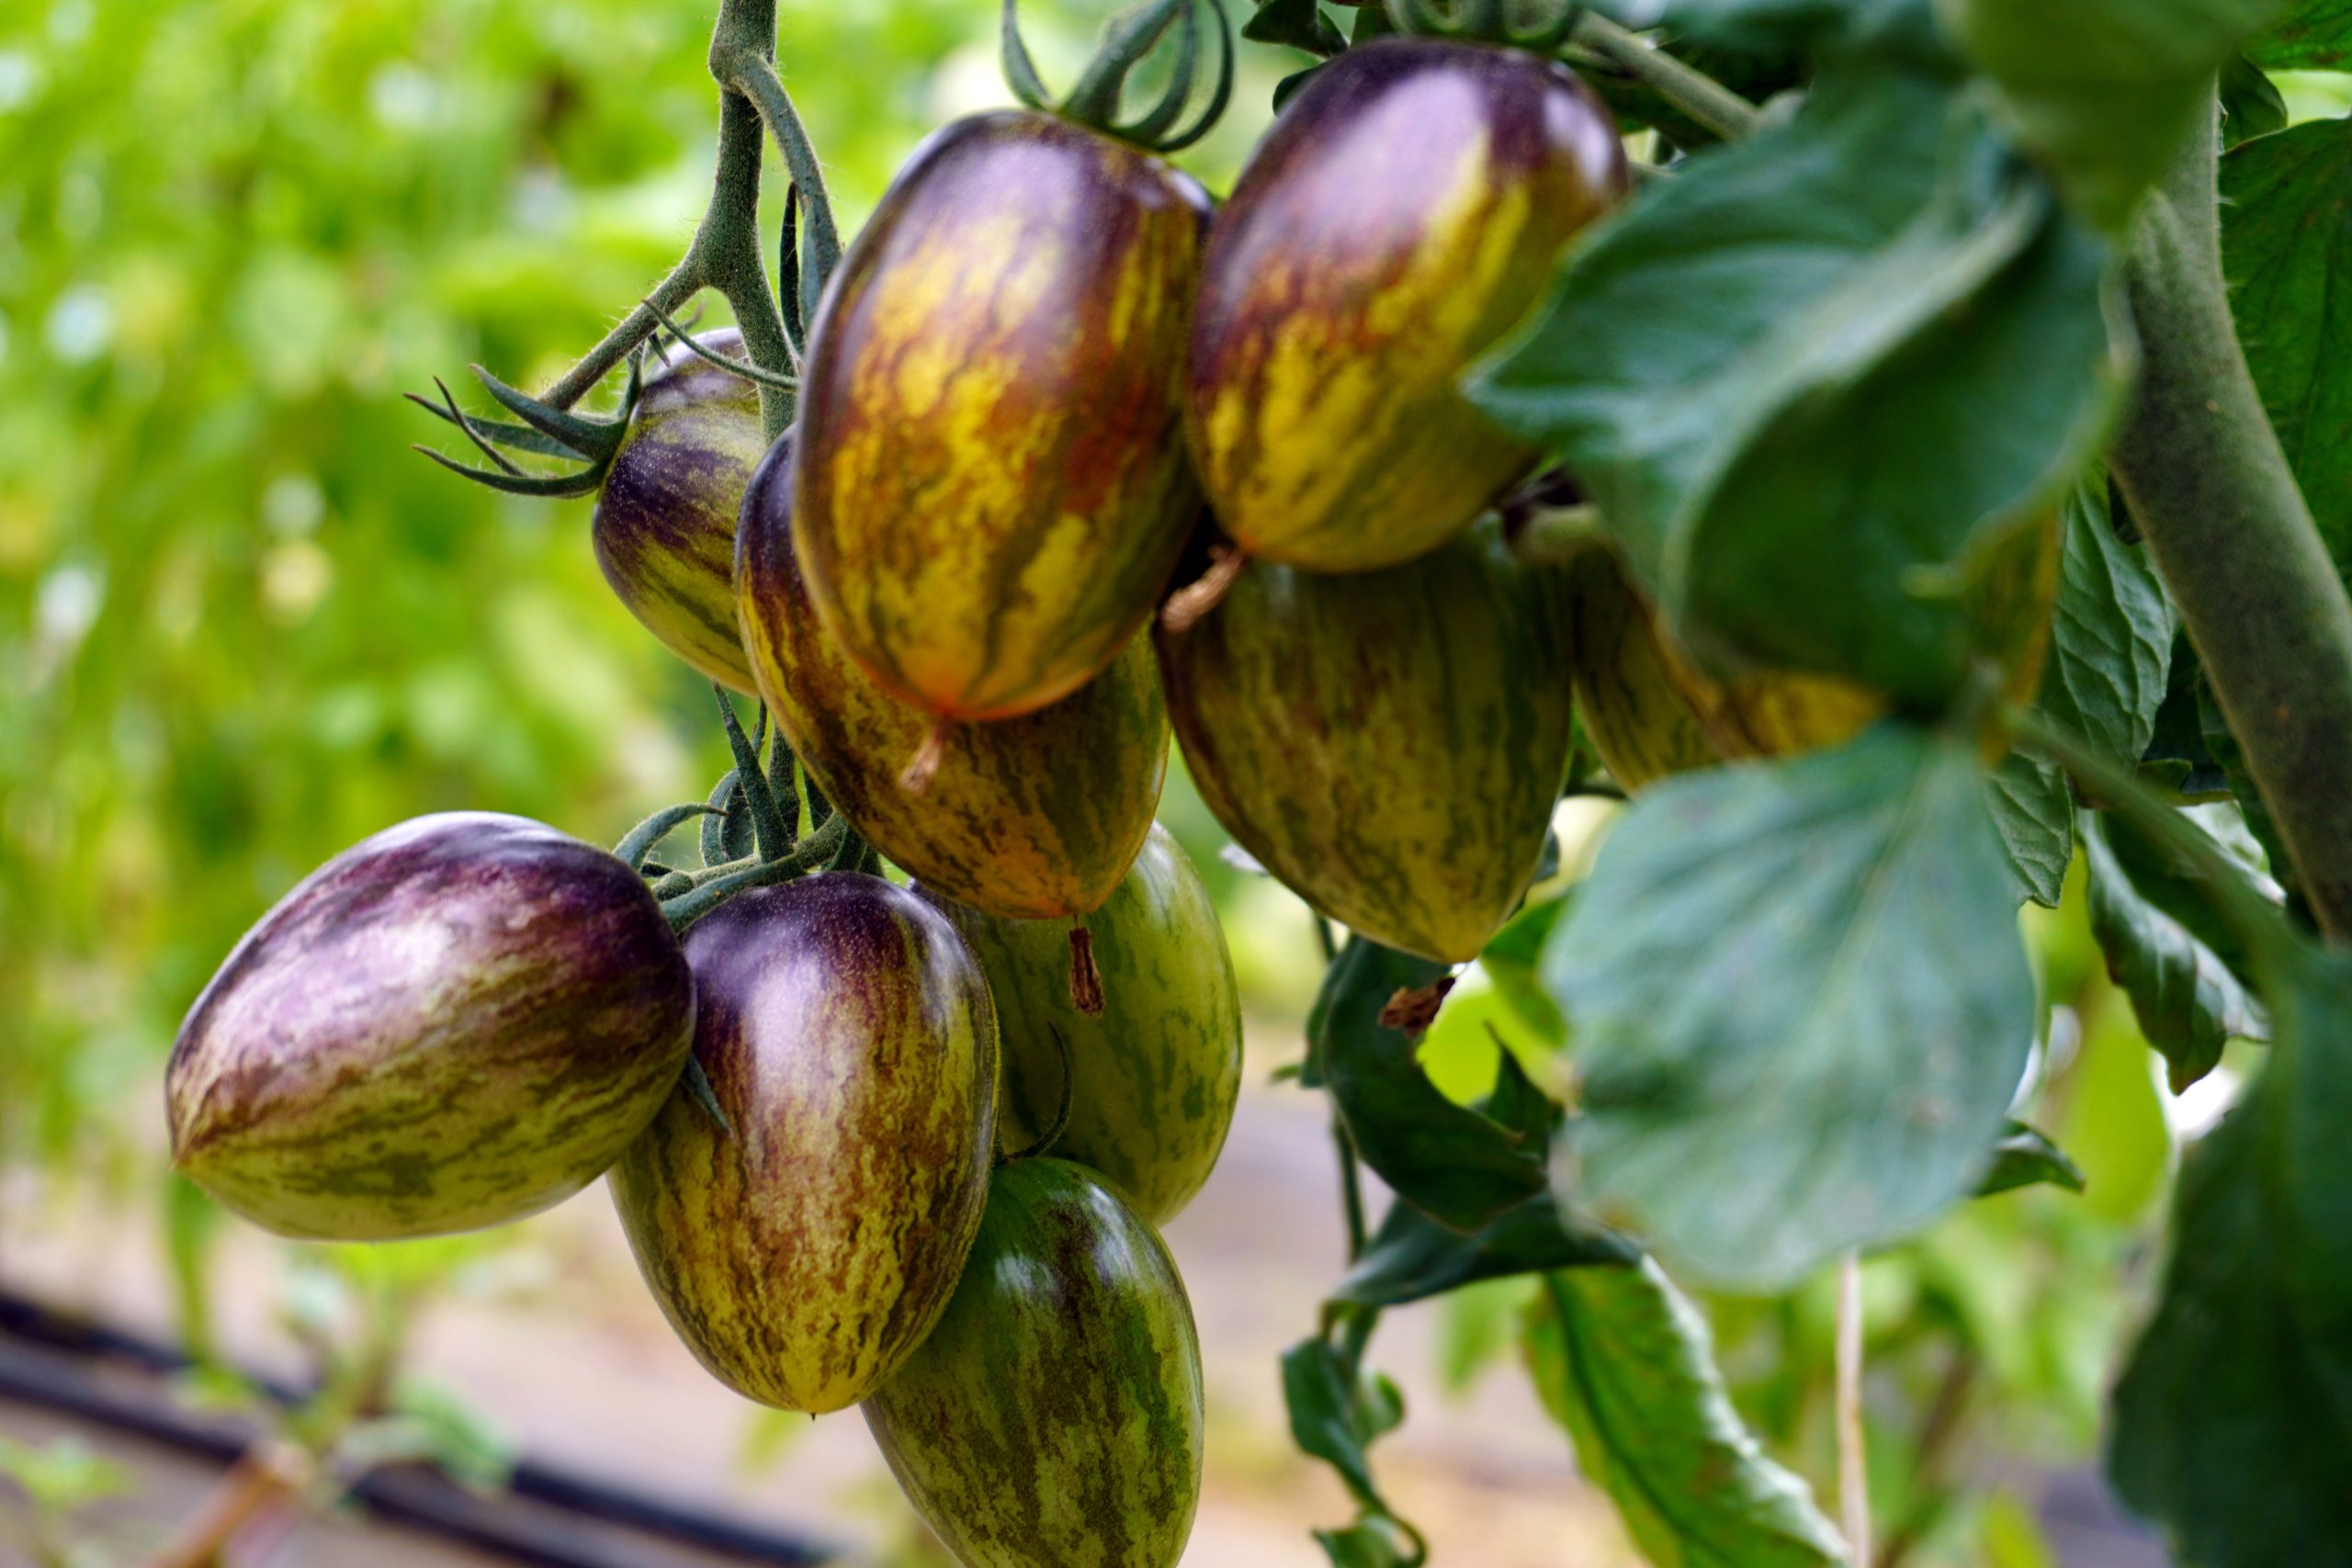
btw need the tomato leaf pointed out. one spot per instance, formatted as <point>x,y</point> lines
<point>1463,1167</point>
<point>2027,1158</point>
<point>1337,1410</point>
<point>2111,636</point>
<point>1412,1257</point>
<point>2315,35</point>
<point>2033,807</point>
<point>1800,1004</point>
<point>2171,954</point>
<point>2286,247</point>
<point>1624,1362</point>
<point>1814,376</point>
<point>2232,1422</point>
<point>1299,24</point>
<point>2251,104</point>
<point>2105,91</point>
<point>2177,760</point>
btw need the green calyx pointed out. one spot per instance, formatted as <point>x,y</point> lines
<point>546,430</point>
<point>1486,21</point>
<point>1132,38</point>
<point>751,829</point>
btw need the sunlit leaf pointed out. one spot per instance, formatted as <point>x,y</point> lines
<point>1625,1364</point>
<point>1774,1069</point>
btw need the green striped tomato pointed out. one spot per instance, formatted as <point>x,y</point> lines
<point>1153,1077</point>
<point>1053,1418</point>
<point>992,485</point>
<point>1404,212</point>
<point>452,1024</point>
<point>1034,817</point>
<point>1389,744</point>
<point>664,528</point>
<point>805,1249</point>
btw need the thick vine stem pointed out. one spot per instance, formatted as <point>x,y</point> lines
<point>2216,500</point>
<point>1708,102</point>
<point>751,72</point>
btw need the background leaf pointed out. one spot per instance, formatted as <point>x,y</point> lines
<point>2105,90</point>
<point>2285,238</point>
<point>2033,807</point>
<point>2313,35</point>
<point>1772,1075</point>
<point>1625,1364</point>
<point>2025,1159</point>
<point>2232,1423</point>
<point>2111,635</point>
<point>2188,1001</point>
<point>1789,347</point>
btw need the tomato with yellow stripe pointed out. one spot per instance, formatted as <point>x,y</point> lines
<point>992,487</point>
<point>1408,209</point>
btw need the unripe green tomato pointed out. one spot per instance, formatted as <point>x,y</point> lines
<point>1153,1078</point>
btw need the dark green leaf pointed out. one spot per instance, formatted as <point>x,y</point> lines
<point>1800,1004</point>
<point>1463,1167</point>
<point>2225,750</point>
<point>1375,1541</point>
<point>1866,324</point>
<point>2105,90</point>
<point>2183,992</point>
<point>2315,35</point>
<point>2111,636</point>
<point>2287,247</point>
<point>1903,29</point>
<point>2025,1159</point>
<point>1299,24</point>
<point>2033,807</point>
<point>1336,1413</point>
<point>2178,761</point>
<point>1412,1257</point>
<point>1624,1363</point>
<point>2251,106</point>
<point>2232,1422</point>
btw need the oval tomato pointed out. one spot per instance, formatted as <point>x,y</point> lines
<point>1404,212</point>
<point>992,485</point>
<point>805,1249</point>
<point>454,1024</point>
<point>1035,817</point>
<point>1389,744</point>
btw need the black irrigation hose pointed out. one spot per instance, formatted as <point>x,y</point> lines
<point>420,1498</point>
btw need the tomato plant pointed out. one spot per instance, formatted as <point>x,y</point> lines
<point>1829,434</point>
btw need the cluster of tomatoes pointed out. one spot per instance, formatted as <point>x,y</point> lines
<point>907,1146</point>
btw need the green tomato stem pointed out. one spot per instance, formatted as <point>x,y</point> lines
<point>2217,502</point>
<point>1706,101</point>
<point>686,280</point>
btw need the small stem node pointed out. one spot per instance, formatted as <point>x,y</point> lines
<point>924,766</point>
<point>1187,606</point>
